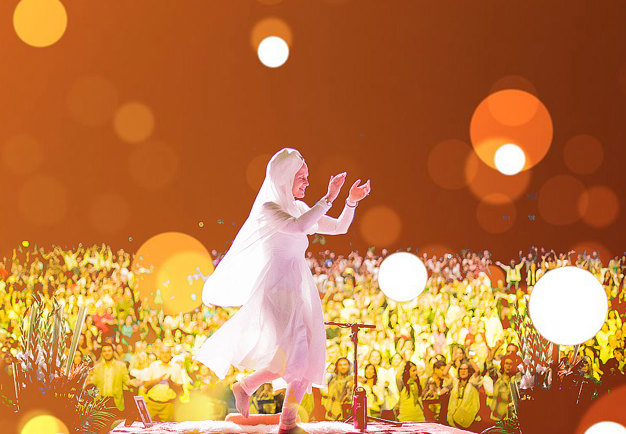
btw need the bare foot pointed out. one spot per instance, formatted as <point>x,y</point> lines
<point>242,400</point>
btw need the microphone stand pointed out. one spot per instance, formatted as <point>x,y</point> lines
<point>355,340</point>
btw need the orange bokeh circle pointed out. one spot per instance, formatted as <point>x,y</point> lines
<point>608,407</point>
<point>513,82</point>
<point>583,154</point>
<point>446,164</point>
<point>380,226</point>
<point>558,200</point>
<point>591,246</point>
<point>255,171</point>
<point>489,185</point>
<point>496,213</point>
<point>133,122</point>
<point>270,26</point>
<point>170,264</point>
<point>511,116</point>
<point>599,206</point>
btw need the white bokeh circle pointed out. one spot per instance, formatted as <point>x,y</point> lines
<point>606,428</point>
<point>402,276</point>
<point>273,51</point>
<point>568,305</point>
<point>509,159</point>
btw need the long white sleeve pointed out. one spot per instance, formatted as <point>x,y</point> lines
<point>302,224</point>
<point>331,226</point>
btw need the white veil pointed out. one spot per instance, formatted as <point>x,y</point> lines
<point>233,281</point>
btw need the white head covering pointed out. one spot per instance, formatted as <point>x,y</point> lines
<point>232,282</point>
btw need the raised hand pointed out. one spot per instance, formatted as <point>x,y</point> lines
<point>359,192</point>
<point>334,186</point>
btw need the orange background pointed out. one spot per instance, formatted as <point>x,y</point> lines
<point>370,87</point>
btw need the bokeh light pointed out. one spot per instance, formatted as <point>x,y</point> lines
<point>173,264</point>
<point>153,165</point>
<point>568,305</point>
<point>43,200</point>
<point>599,206</point>
<point>608,407</point>
<point>22,155</point>
<point>491,186</point>
<point>402,276</point>
<point>42,424</point>
<point>273,52</point>
<point>255,171</point>
<point>514,82</point>
<point>270,2</point>
<point>558,200</point>
<point>332,165</point>
<point>109,213</point>
<point>590,246</point>
<point>380,226</point>
<point>583,154</point>
<point>446,164</point>
<point>606,428</point>
<point>92,100</point>
<point>509,159</point>
<point>511,116</point>
<point>496,213</point>
<point>40,23</point>
<point>270,26</point>
<point>133,122</point>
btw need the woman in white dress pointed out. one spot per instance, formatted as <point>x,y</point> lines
<point>279,330</point>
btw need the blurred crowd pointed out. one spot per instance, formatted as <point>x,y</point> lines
<point>450,355</point>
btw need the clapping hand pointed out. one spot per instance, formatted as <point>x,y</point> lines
<point>359,192</point>
<point>334,186</point>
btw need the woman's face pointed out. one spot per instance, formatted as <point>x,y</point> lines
<point>370,371</point>
<point>300,182</point>
<point>375,358</point>
<point>413,372</point>
<point>396,360</point>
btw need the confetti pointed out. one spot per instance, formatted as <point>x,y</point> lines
<point>130,238</point>
<point>531,217</point>
<point>506,217</point>
<point>220,221</point>
<point>25,243</point>
<point>201,224</point>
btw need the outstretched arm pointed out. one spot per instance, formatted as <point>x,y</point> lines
<point>302,224</point>
<point>331,226</point>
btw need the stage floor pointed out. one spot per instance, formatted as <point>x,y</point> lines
<point>209,426</point>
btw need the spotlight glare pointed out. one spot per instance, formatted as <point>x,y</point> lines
<point>509,159</point>
<point>273,51</point>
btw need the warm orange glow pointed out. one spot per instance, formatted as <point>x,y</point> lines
<point>153,165</point>
<point>255,172</point>
<point>495,274</point>
<point>583,154</point>
<point>22,155</point>
<point>172,258</point>
<point>490,185</point>
<point>380,226</point>
<point>40,23</point>
<point>92,100</point>
<point>271,26</point>
<point>607,407</point>
<point>599,206</point>
<point>558,200</point>
<point>496,213</point>
<point>133,122</point>
<point>42,200</point>
<point>109,213</point>
<point>511,116</point>
<point>446,164</point>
